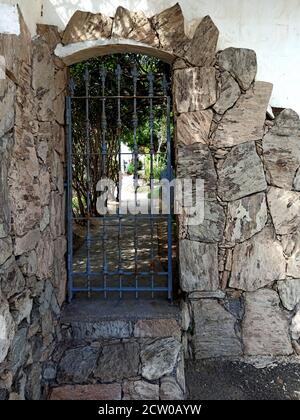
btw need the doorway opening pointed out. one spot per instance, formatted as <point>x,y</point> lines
<point>121,228</point>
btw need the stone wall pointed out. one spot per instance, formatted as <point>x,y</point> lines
<point>32,232</point>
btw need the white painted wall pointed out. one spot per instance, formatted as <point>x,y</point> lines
<point>270,27</point>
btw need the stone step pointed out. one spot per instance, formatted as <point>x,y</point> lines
<point>102,355</point>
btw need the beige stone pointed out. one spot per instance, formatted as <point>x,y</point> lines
<point>241,174</point>
<point>195,88</point>
<point>198,266</point>
<point>214,330</point>
<point>133,25</point>
<point>245,121</point>
<point>246,217</point>
<point>7,328</point>
<point>27,242</point>
<point>85,26</point>
<point>257,262</point>
<point>6,249</point>
<point>98,392</point>
<point>265,326</point>
<point>289,292</point>
<point>229,93</point>
<point>285,210</point>
<point>241,63</point>
<point>194,127</point>
<point>295,325</point>
<point>202,51</point>
<point>157,328</point>
<point>169,25</point>
<point>282,151</point>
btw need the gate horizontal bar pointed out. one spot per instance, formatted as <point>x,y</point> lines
<point>119,97</point>
<point>120,289</point>
<point>117,273</point>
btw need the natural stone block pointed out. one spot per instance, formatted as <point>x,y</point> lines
<point>257,262</point>
<point>293,261</point>
<point>229,93</point>
<point>195,88</point>
<point>102,329</point>
<point>5,249</point>
<point>21,307</point>
<point>295,325</point>
<point>133,25</point>
<point>282,151</point>
<point>214,331</point>
<point>289,292</point>
<point>218,294</point>
<point>241,174</point>
<point>241,63</point>
<point>7,328</point>
<point>196,162</point>
<point>194,127</point>
<point>246,217</point>
<point>157,328</point>
<point>45,256</point>
<point>170,389</point>
<point>202,50</point>
<point>85,26</point>
<point>265,325</point>
<point>285,210</point>
<point>198,266</point>
<point>98,392</point>
<point>7,106</point>
<point>159,357</point>
<point>245,121</point>
<point>212,228</point>
<point>169,25</point>
<point>50,33</point>
<point>77,364</point>
<point>140,390</point>
<point>11,279</point>
<point>118,361</point>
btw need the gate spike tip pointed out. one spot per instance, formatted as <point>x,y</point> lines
<point>118,71</point>
<point>103,73</point>
<point>134,72</point>
<point>87,74</point>
<point>165,85</point>
<point>150,77</point>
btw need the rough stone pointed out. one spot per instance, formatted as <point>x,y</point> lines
<point>246,217</point>
<point>245,121</point>
<point>198,266</point>
<point>98,392</point>
<point>17,355</point>
<point>33,384</point>
<point>241,174</point>
<point>229,94</point>
<point>133,25</point>
<point>7,109</point>
<point>7,328</point>
<point>257,262</point>
<point>85,26</point>
<point>21,307</point>
<point>106,329</point>
<point>202,50</point>
<point>218,294</point>
<point>159,358</point>
<point>118,361</point>
<point>194,127</point>
<point>45,219</point>
<point>195,88</point>
<point>50,34</point>
<point>282,151</point>
<point>214,331</point>
<point>170,389</point>
<point>5,249</point>
<point>140,390</point>
<point>295,325</point>
<point>241,63</point>
<point>157,328</point>
<point>196,162</point>
<point>45,256</point>
<point>27,243</point>
<point>285,210</point>
<point>265,325</point>
<point>289,292</point>
<point>77,364</point>
<point>212,228</point>
<point>293,261</point>
<point>11,279</point>
<point>169,25</point>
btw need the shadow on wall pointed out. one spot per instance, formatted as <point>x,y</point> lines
<point>59,12</point>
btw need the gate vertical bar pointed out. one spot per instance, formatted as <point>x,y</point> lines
<point>88,179</point>
<point>135,125</point>
<point>169,172</point>
<point>69,195</point>
<point>103,74</point>
<point>151,123</point>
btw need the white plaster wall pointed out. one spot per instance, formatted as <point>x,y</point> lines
<point>270,27</point>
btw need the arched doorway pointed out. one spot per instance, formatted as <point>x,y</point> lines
<point>120,224</point>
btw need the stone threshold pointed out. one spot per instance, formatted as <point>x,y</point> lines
<point>96,310</point>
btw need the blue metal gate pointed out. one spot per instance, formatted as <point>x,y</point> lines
<point>119,254</point>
